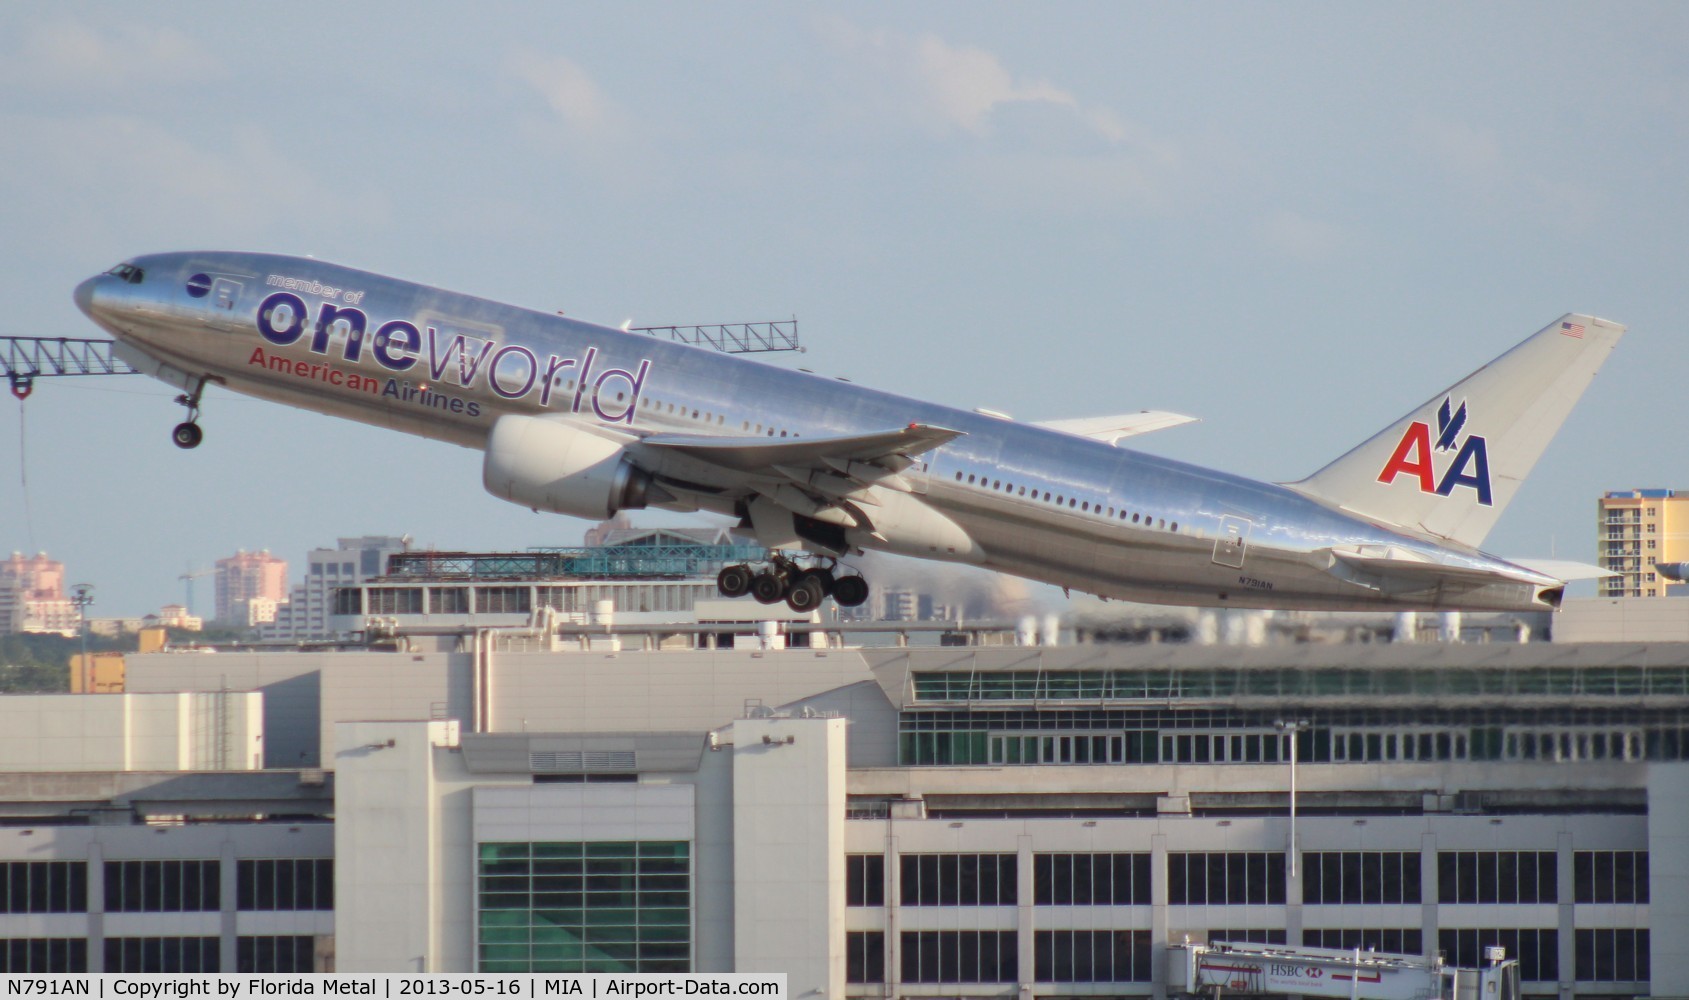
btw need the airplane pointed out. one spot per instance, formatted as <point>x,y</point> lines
<point>588,420</point>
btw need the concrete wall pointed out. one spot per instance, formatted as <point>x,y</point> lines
<point>388,848</point>
<point>131,732</point>
<point>288,681</point>
<point>788,851</point>
<point>1668,870</point>
<point>1631,619</point>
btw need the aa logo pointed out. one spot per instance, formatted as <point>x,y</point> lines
<point>1415,456</point>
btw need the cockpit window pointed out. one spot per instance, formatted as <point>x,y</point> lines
<point>128,272</point>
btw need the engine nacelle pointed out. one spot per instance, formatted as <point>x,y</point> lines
<point>555,466</point>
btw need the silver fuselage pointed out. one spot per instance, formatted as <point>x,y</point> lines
<point>1118,523</point>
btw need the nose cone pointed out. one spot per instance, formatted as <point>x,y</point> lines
<point>84,296</point>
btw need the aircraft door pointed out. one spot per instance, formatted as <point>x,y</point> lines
<point>1233,541</point>
<point>224,293</point>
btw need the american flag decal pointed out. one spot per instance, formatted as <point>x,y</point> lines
<point>1572,330</point>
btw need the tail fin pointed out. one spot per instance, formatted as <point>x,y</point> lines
<point>1450,467</point>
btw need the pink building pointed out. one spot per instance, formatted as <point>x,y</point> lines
<point>25,581</point>
<point>246,576</point>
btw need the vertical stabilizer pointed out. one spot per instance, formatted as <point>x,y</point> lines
<point>1450,467</point>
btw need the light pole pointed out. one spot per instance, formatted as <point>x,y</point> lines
<point>1292,728</point>
<point>82,595</point>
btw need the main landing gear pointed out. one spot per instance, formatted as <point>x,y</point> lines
<point>187,434</point>
<point>784,580</point>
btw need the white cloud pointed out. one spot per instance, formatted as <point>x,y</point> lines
<point>948,88</point>
<point>123,179</point>
<point>567,89</point>
<point>1478,158</point>
<point>1014,139</point>
<point>74,56</point>
<point>1296,235</point>
<point>965,84</point>
<point>1461,149</point>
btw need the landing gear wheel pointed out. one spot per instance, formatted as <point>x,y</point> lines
<point>825,578</point>
<point>806,593</point>
<point>850,591</point>
<point>767,588</point>
<point>734,581</point>
<point>187,435</point>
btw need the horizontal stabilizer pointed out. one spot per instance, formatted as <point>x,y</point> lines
<point>1449,467</point>
<point>1564,570</point>
<point>1112,429</point>
<point>1399,570</point>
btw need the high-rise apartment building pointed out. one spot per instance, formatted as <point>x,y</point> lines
<point>245,576</point>
<point>27,580</point>
<point>1637,529</point>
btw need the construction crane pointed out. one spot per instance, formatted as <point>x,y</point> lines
<point>1277,970</point>
<point>188,579</point>
<point>25,359</point>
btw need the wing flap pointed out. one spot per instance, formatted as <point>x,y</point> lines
<point>753,454</point>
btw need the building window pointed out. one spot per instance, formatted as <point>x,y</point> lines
<point>1391,940</point>
<point>1252,877</point>
<point>865,880</point>
<point>1247,935</point>
<point>1361,877</point>
<point>395,600</point>
<point>163,954</point>
<point>285,884</point>
<point>1612,955</point>
<point>1233,748</point>
<point>276,953</point>
<point>618,906</point>
<point>448,600</point>
<point>43,955</point>
<point>959,957</point>
<point>1538,950</point>
<point>1497,877</point>
<point>1090,879</point>
<point>348,601</point>
<point>44,887</point>
<point>958,880</point>
<point>162,887</point>
<point>503,600</point>
<point>1610,877</point>
<point>865,956</point>
<point>1091,956</point>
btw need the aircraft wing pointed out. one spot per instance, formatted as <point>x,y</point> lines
<point>1112,429</point>
<point>809,476</point>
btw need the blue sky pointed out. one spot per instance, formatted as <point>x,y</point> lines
<point>1294,221</point>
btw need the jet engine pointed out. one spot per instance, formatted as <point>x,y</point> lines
<point>548,464</point>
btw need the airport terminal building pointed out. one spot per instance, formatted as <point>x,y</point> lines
<point>1007,821</point>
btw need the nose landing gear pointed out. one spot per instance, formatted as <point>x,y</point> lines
<point>188,434</point>
<point>803,589</point>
